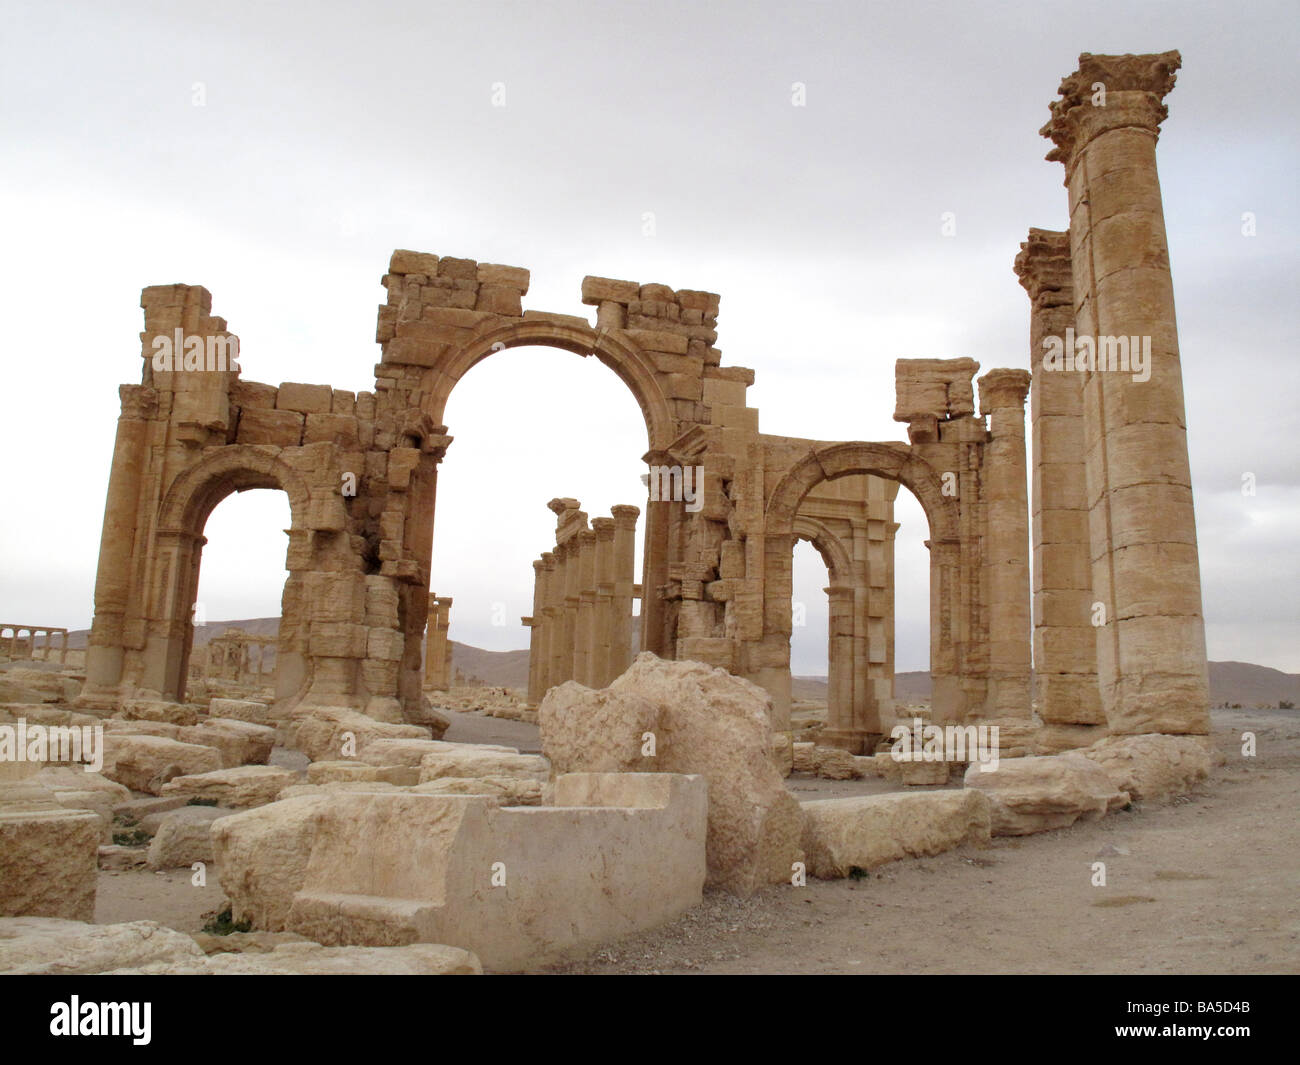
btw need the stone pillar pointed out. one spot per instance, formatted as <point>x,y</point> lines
<point>1006,552</point>
<point>1065,648</point>
<point>586,607</point>
<point>548,622</point>
<point>534,624</point>
<point>105,648</point>
<point>1151,660</point>
<point>621,650</point>
<point>437,648</point>
<point>603,616</point>
<point>841,728</point>
<point>569,605</point>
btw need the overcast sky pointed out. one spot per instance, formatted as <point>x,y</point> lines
<point>278,153</point>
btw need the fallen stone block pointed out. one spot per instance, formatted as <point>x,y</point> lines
<point>185,837</point>
<point>262,857</point>
<point>412,752</point>
<point>329,733</point>
<point>313,959</point>
<point>115,858</point>
<point>146,763</point>
<point>703,721</point>
<point>240,742</point>
<point>518,886</point>
<point>250,710</point>
<point>159,710</point>
<point>49,858</point>
<point>329,772</point>
<point>867,831</point>
<point>305,958</point>
<point>47,946</point>
<point>508,791</point>
<point>248,785</point>
<point>473,762</point>
<point>1040,793</point>
<point>1152,765</point>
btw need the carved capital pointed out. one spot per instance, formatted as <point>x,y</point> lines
<point>1043,266</point>
<point>1109,92</point>
<point>139,402</point>
<point>1001,389</point>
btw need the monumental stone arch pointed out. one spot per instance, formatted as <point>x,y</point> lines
<point>1116,627</point>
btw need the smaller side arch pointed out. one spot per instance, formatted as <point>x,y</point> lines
<point>194,494</point>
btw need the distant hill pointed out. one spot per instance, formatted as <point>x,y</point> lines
<point>1230,682</point>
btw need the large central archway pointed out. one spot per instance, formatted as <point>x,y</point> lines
<point>629,364</point>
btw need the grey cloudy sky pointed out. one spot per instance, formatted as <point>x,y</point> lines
<point>332,133</point>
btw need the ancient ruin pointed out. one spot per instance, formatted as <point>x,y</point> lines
<point>667,751</point>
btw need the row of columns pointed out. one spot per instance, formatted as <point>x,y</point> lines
<point>581,625</point>
<point>29,641</point>
<point>231,657</point>
<point>1145,567</point>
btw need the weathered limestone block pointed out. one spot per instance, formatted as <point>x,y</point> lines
<point>1041,793</point>
<point>248,785</point>
<point>51,946</point>
<point>49,858</point>
<point>122,727</point>
<point>46,686</point>
<point>262,856</point>
<point>11,691</point>
<point>120,859</point>
<point>1152,766</point>
<point>241,710</point>
<point>146,763</point>
<point>473,762</point>
<point>184,837</point>
<point>159,710</point>
<point>783,752</point>
<point>362,772</point>
<point>294,791</point>
<point>75,789</point>
<point>312,959</point>
<point>921,774</point>
<point>508,791</point>
<point>240,742</point>
<point>939,388</point>
<point>412,752</point>
<point>329,733</point>
<point>832,763</point>
<point>619,854</point>
<point>704,721</point>
<point>870,830</point>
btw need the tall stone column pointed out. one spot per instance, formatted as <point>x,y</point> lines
<point>535,636</point>
<point>572,583</point>
<point>1151,660</point>
<point>106,648</point>
<point>437,648</point>
<point>585,606</point>
<point>621,650</point>
<point>603,616</point>
<point>548,623</point>
<point>1006,552</point>
<point>1065,648</point>
<point>841,728</point>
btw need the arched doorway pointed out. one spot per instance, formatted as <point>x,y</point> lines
<point>951,568</point>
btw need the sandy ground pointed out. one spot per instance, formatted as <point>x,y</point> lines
<point>1209,883</point>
